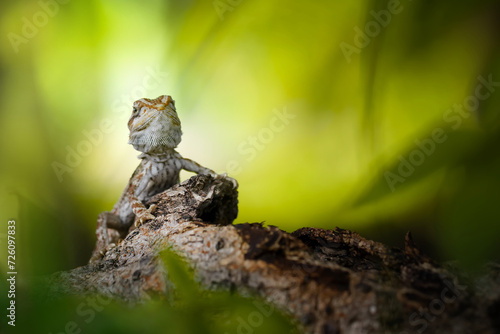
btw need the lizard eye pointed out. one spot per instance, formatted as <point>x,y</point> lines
<point>134,111</point>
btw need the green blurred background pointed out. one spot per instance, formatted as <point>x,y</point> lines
<point>311,105</point>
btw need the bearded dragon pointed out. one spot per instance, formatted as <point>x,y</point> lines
<point>155,130</point>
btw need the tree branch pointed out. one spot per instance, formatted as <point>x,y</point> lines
<point>330,281</point>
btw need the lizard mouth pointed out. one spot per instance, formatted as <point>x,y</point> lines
<point>156,129</point>
<point>164,115</point>
<point>142,122</point>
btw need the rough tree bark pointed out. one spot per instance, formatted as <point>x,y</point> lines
<point>330,281</point>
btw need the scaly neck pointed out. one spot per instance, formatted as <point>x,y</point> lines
<point>157,156</point>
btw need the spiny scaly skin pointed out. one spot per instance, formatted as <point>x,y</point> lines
<point>155,130</point>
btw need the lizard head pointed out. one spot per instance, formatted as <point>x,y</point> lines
<point>154,125</point>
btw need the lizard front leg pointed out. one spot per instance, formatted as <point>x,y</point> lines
<point>141,213</point>
<point>195,167</point>
<point>192,166</point>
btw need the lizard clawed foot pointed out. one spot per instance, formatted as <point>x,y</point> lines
<point>143,218</point>
<point>98,255</point>
<point>152,208</point>
<point>225,176</point>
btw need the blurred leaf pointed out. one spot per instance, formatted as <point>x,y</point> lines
<point>181,276</point>
<point>424,158</point>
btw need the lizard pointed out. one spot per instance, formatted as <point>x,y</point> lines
<point>155,130</point>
